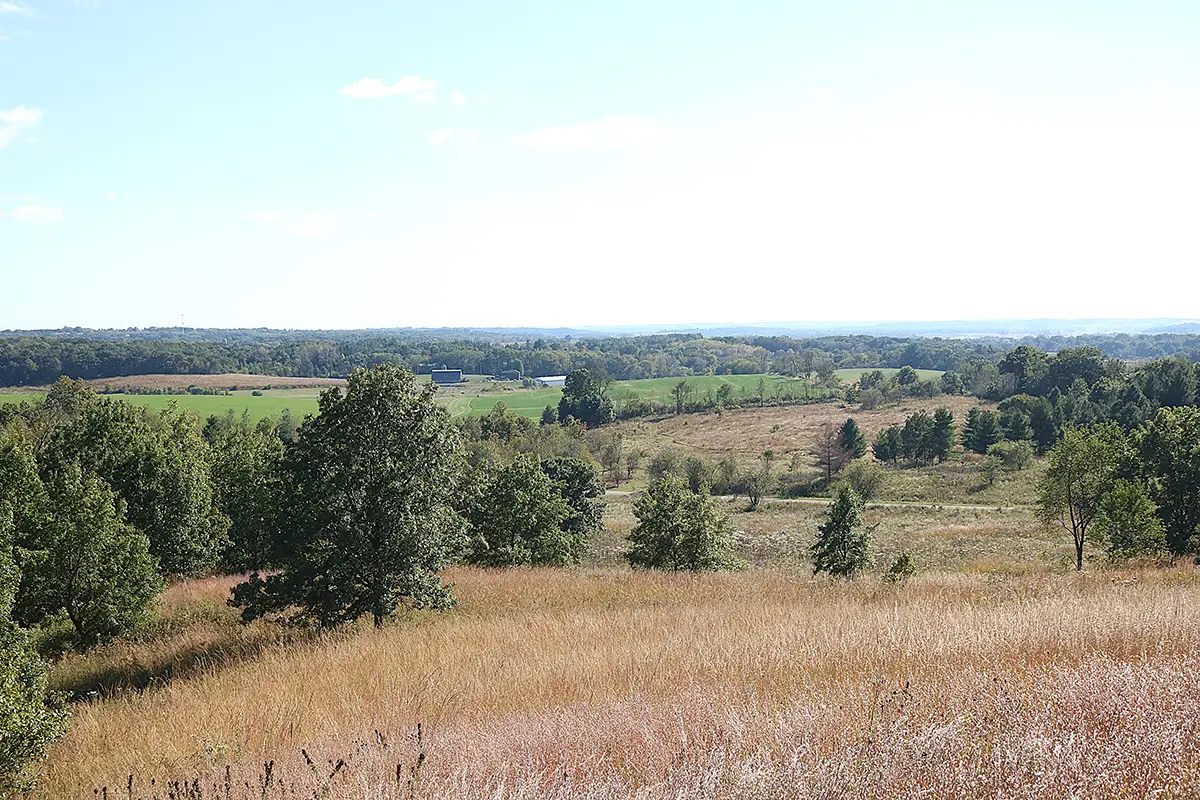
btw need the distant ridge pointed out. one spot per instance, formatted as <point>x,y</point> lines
<point>944,328</point>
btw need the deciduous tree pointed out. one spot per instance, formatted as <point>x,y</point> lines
<point>679,530</point>
<point>1082,471</point>
<point>368,513</point>
<point>517,519</point>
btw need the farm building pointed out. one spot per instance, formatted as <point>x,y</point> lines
<point>445,376</point>
<point>552,380</point>
<point>510,375</point>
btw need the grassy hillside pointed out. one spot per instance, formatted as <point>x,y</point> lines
<point>609,683</point>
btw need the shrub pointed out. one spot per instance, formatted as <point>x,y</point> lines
<point>903,568</point>
<point>663,463</point>
<point>866,478</point>
<point>1012,456</point>
<point>678,530</point>
<point>29,720</point>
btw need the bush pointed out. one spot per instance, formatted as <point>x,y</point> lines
<point>664,463</point>
<point>680,531</point>
<point>903,568</point>
<point>1012,456</point>
<point>866,478</point>
<point>29,720</point>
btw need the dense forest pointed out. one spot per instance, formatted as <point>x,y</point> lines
<point>30,360</point>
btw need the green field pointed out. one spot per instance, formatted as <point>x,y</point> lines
<point>272,403</point>
<point>477,395</point>
<point>531,402</point>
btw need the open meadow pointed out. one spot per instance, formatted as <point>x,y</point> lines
<point>997,671</point>
<point>604,683</point>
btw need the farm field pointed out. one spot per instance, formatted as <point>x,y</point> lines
<point>272,403</point>
<point>531,402</point>
<point>476,396</point>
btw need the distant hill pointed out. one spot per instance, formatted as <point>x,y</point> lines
<point>946,328</point>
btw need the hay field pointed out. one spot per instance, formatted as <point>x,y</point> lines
<point>605,683</point>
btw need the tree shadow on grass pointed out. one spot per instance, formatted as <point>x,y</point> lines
<point>133,666</point>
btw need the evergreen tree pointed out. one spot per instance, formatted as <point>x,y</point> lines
<point>888,447</point>
<point>831,456</point>
<point>942,434</point>
<point>679,530</point>
<point>842,546</point>
<point>917,438</point>
<point>1132,408</point>
<point>1016,426</point>
<point>982,430</point>
<point>851,439</point>
<point>367,510</point>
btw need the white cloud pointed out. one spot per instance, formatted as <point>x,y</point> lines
<point>457,98</point>
<point>111,195</point>
<point>15,8</point>
<point>607,132</point>
<point>372,215</point>
<point>418,88</point>
<point>16,121</point>
<point>34,215</point>
<point>460,137</point>
<point>267,216</point>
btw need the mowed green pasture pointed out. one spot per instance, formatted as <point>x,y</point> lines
<point>531,402</point>
<point>852,375</point>
<point>271,404</point>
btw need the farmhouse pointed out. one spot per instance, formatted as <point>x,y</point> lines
<point>444,376</point>
<point>552,380</point>
<point>510,375</point>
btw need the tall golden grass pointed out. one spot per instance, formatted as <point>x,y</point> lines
<point>607,683</point>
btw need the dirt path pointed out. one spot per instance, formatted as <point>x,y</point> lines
<point>824,501</point>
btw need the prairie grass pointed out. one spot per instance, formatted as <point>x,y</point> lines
<point>747,432</point>
<point>605,683</point>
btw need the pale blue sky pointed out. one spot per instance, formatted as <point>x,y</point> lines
<point>308,164</point>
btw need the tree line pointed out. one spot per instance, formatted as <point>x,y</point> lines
<point>41,360</point>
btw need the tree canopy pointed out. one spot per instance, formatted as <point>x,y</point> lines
<point>368,505</point>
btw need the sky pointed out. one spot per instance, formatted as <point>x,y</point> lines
<point>261,163</point>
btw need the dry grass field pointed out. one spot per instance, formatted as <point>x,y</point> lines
<point>604,683</point>
<point>747,432</point>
